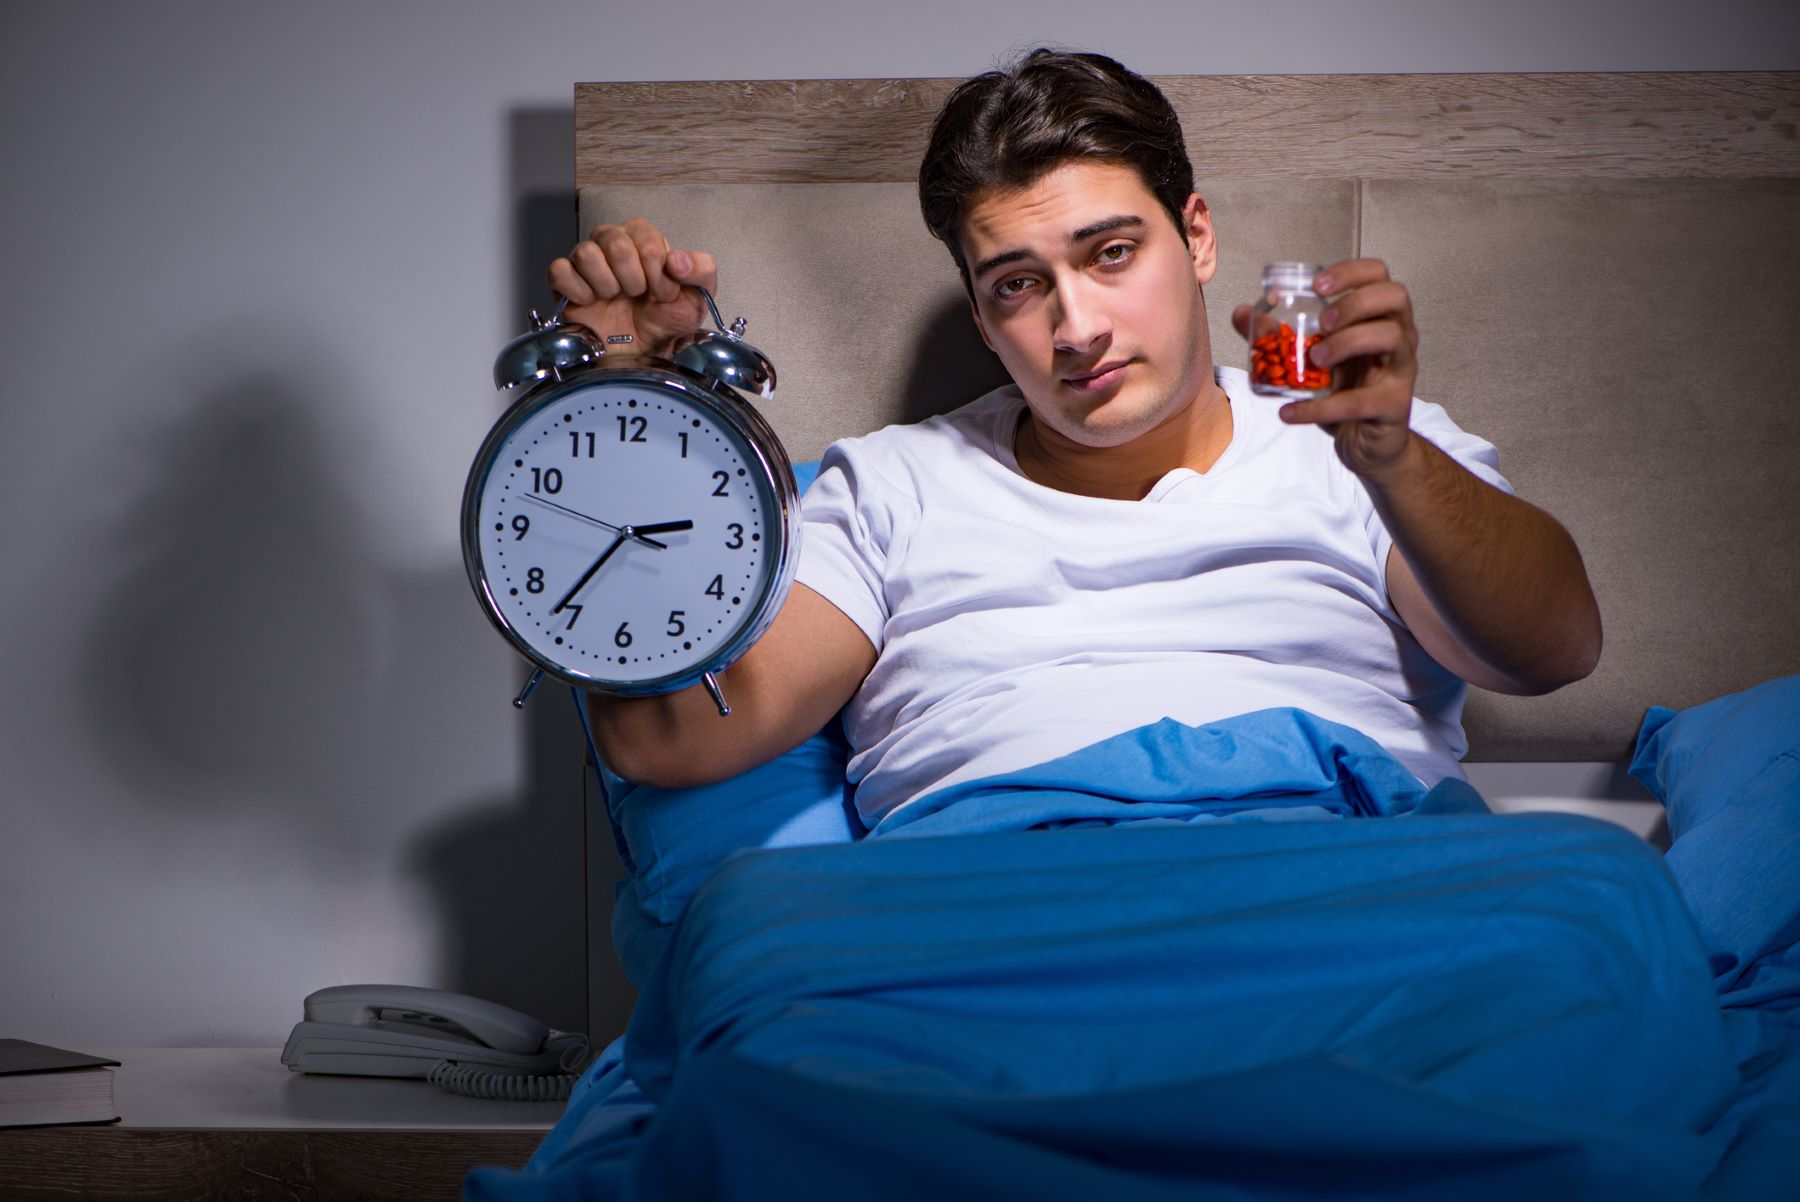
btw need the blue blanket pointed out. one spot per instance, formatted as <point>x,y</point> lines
<point>1183,964</point>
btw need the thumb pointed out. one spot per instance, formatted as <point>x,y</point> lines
<point>1240,321</point>
<point>694,267</point>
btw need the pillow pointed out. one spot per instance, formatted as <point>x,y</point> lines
<point>1728,773</point>
<point>671,840</point>
<point>674,838</point>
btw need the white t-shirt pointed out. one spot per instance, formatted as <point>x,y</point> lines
<point>1016,623</point>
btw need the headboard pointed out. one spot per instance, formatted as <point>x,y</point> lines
<point>1605,270</point>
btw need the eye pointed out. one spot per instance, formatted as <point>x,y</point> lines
<point>1114,253</point>
<point>1009,288</point>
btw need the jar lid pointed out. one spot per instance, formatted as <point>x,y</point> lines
<point>1294,277</point>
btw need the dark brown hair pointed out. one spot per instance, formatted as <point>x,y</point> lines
<point>1006,128</point>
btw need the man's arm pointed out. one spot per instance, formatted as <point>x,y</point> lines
<point>1490,585</point>
<point>809,663</point>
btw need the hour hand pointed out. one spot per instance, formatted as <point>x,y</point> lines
<point>661,528</point>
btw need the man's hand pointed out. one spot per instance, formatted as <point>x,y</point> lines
<point>1493,587</point>
<point>625,279</point>
<point>1373,344</point>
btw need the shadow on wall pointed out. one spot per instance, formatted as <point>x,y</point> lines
<point>254,663</point>
<point>514,876</point>
<point>545,210</point>
<point>242,637</point>
<point>950,364</point>
<point>510,877</point>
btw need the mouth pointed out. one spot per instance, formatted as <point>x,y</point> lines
<point>1099,377</point>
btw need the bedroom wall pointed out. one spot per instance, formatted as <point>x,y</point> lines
<point>254,735</point>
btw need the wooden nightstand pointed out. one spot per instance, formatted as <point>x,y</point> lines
<point>205,1123</point>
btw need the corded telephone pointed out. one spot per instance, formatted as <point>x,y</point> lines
<point>462,1044</point>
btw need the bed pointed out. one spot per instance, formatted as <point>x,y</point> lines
<point>1098,980</point>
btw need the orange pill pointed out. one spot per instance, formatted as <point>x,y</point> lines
<point>1279,359</point>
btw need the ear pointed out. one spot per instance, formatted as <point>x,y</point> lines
<point>1203,245</point>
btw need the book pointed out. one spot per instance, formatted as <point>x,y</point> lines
<point>40,1085</point>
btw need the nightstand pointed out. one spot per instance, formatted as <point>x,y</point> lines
<point>205,1123</point>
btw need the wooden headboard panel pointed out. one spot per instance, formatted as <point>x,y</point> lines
<point>1724,125</point>
<point>1604,269</point>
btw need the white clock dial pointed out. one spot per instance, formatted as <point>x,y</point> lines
<point>627,534</point>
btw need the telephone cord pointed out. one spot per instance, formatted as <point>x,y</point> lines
<point>574,1053</point>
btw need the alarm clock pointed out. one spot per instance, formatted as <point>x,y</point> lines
<point>631,524</point>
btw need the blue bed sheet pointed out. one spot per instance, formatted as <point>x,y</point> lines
<point>1183,964</point>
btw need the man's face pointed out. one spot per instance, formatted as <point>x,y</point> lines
<point>1090,297</point>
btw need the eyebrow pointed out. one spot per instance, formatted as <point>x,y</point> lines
<point>1122,221</point>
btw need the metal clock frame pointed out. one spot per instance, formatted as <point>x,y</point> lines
<point>753,430</point>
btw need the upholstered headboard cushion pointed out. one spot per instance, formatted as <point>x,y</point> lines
<point>1624,337</point>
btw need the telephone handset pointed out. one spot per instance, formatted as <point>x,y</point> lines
<point>462,1044</point>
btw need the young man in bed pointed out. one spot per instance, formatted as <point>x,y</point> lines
<point>1126,533</point>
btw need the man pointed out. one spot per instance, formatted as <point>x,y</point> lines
<point>1127,533</point>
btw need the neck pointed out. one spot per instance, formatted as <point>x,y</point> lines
<point>1193,438</point>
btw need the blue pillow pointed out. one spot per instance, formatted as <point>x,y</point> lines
<point>1728,773</point>
<point>671,840</point>
<point>675,838</point>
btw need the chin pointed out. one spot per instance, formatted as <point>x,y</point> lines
<point>1109,423</point>
<point>1102,438</point>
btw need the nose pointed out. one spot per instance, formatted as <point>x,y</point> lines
<point>1083,325</point>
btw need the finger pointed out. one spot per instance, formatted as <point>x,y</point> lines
<point>694,267</point>
<point>621,253</point>
<point>1240,321</point>
<point>1367,303</point>
<point>567,283</point>
<point>590,264</point>
<point>1350,273</point>
<point>1363,339</point>
<point>1357,405</point>
<point>653,254</point>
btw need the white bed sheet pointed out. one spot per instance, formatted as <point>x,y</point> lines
<point>1642,818</point>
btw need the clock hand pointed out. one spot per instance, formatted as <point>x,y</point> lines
<point>576,513</point>
<point>588,575</point>
<point>624,532</point>
<point>660,528</point>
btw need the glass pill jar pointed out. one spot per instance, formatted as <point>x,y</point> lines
<point>1284,325</point>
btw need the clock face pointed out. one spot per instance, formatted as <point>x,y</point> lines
<point>627,533</point>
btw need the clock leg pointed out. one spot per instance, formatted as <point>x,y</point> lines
<point>718,696</point>
<point>530,688</point>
